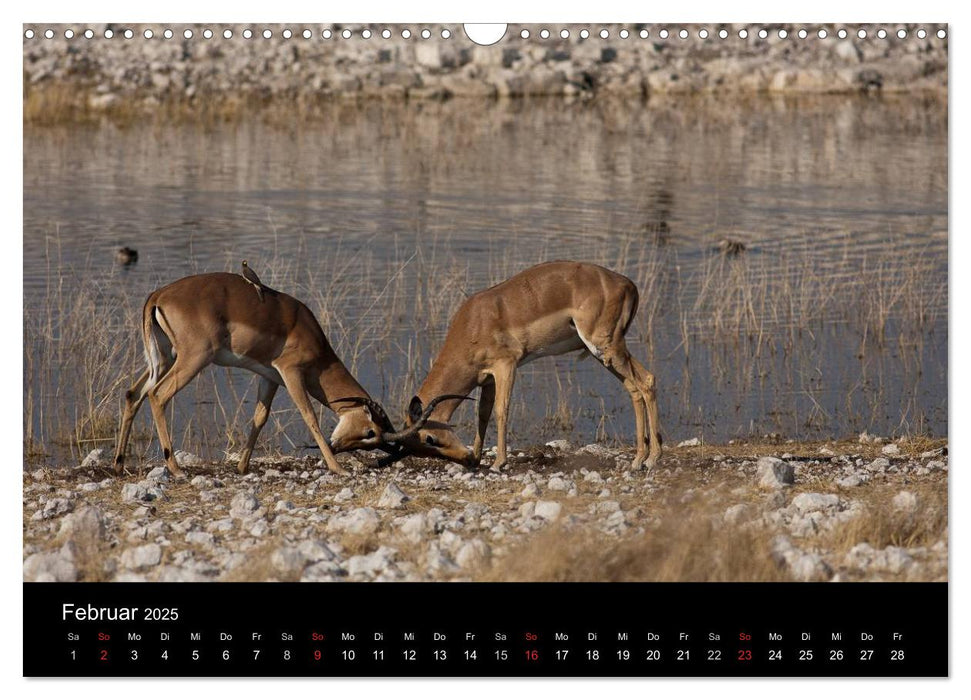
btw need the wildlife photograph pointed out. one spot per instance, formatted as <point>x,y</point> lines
<point>378,303</point>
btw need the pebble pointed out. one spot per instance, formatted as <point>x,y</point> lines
<point>140,558</point>
<point>808,502</point>
<point>360,521</point>
<point>87,523</point>
<point>94,458</point>
<point>56,566</point>
<point>530,490</point>
<point>773,473</point>
<point>548,510</point>
<point>243,505</point>
<point>344,495</point>
<point>392,497</point>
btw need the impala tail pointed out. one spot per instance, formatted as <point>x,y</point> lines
<point>157,343</point>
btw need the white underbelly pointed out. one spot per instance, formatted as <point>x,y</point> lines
<point>225,358</point>
<point>558,348</point>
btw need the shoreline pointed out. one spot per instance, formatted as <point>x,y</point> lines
<point>74,79</point>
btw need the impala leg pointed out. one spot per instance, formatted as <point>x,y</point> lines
<point>264,400</point>
<point>640,416</point>
<point>505,377</point>
<point>647,383</point>
<point>294,381</point>
<point>187,365</point>
<point>134,398</point>
<point>487,399</point>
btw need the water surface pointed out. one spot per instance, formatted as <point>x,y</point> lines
<point>833,320</point>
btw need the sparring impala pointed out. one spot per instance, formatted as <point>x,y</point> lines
<point>220,319</point>
<point>551,309</point>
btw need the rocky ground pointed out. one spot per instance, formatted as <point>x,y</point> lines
<point>106,74</point>
<point>776,510</point>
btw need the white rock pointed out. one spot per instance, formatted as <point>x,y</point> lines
<point>86,523</point>
<point>473,554</point>
<point>548,510</point>
<point>897,559</point>
<point>134,492</point>
<point>890,449</point>
<point>316,551</point>
<point>243,505</point>
<point>808,502</point>
<point>593,477</point>
<point>93,459</point>
<point>53,507</point>
<point>360,521</point>
<point>850,481</point>
<point>201,482</point>
<point>530,490</point>
<point>809,567</point>
<point>344,495</point>
<point>773,473</point>
<point>203,539</point>
<point>560,445</point>
<point>878,465</point>
<point>412,527</point>
<point>56,566</point>
<point>288,561</point>
<point>187,459</point>
<point>526,510</point>
<point>144,557</point>
<point>558,483</point>
<point>159,474</point>
<point>692,442</point>
<point>605,507</point>
<point>392,497</point>
<point>283,505</point>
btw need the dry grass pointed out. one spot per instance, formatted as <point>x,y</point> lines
<point>885,526</point>
<point>686,547</point>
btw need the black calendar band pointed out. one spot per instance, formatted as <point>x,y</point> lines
<point>478,629</point>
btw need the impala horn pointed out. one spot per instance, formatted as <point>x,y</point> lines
<point>377,409</point>
<point>417,422</point>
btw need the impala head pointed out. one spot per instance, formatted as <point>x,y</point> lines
<point>428,438</point>
<point>362,426</point>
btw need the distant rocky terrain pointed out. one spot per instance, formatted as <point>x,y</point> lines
<point>867,510</point>
<point>106,71</point>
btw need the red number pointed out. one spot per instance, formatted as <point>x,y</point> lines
<point>532,655</point>
<point>316,654</point>
<point>744,654</point>
<point>104,654</point>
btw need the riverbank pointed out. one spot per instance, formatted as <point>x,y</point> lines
<point>72,79</point>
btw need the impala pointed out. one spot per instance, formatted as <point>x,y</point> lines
<point>219,319</point>
<point>551,309</point>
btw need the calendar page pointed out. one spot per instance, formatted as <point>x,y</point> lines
<point>485,350</point>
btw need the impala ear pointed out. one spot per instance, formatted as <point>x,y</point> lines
<point>415,409</point>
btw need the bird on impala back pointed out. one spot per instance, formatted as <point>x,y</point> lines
<point>252,278</point>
